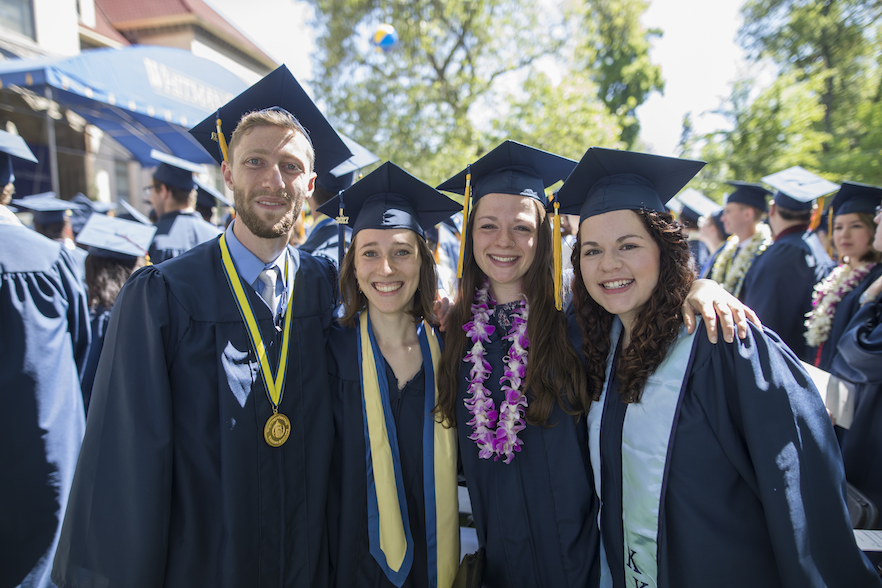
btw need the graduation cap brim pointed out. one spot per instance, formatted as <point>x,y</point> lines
<point>855,198</point>
<point>16,147</point>
<point>427,205</point>
<point>135,213</point>
<point>212,192</point>
<point>647,181</point>
<point>800,184</point>
<point>698,202</point>
<point>116,236</point>
<point>361,158</point>
<point>278,88</point>
<point>549,167</point>
<point>749,193</point>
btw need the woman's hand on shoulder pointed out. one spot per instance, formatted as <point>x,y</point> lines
<point>710,300</point>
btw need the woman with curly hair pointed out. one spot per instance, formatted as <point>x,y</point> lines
<point>513,384</point>
<point>716,465</point>
<point>393,516</point>
<point>837,297</point>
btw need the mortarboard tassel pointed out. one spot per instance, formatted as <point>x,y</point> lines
<point>342,221</point>
<point>467,196</point>
<point>558,262</point>
<point>817,213</point>
<point>221,140</point>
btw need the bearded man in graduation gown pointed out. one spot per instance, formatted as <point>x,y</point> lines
<point>203,464</point>
<point>44,342</point>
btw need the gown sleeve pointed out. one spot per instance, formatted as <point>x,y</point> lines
<point>859,357</point>
<point>122,486</point>
<point>778,434</point>
<point>77,310</point>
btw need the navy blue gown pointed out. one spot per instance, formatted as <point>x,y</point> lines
<point>779,285</point>
<point>532,516</point>
<point>176,485</point>
<point>44,323</point>
<point>99,318</point>
<point>845,311</point>
<point>859,360</point>
<point>178,232</point>
<point>351,560</point>
<point>754,491</point>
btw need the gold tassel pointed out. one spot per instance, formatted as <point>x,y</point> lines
<point>558,262</point>
<point>222,140</point>
<point>467,196</point>
<point>817,213</point>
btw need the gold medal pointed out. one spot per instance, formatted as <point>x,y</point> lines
<point>276,430</point>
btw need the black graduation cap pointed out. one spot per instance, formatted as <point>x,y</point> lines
<point>750,194</point>
<point>79,216</point>
<point>280,90</point>
<point>343,176</point>
<point>609,179</point>
<point>696,205</point>
<point>390,198</point>
<point>174,171</point>
<point>46,208</point>
<point>512,168</point>
<point>206,194</point>
<point>116,238</point>
<point>855,197</point>
<point>12,146</point>
<point>797,188</point>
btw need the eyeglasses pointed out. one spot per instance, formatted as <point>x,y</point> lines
<point>879,210</point>
<point>148,190</point>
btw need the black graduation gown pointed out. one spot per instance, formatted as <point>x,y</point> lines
<point>351,560</point>
<point>322,240</point>
<point>709,262</point>
<point>44,341</point>
<point>779,285</point>
<point>845,311</point>
<point>177,232</point>
<point>99,318</point>
<point>755,492</point>
<point>533,515</point>
<point>176,485</point>
<point>859,359</point>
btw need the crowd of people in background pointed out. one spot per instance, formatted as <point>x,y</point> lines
<point>237,393</point>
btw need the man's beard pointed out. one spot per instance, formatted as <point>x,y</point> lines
<point>255,222</point>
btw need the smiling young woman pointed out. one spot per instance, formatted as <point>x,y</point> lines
<point>699,451</point>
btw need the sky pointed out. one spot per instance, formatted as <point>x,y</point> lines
<point>698,55</point>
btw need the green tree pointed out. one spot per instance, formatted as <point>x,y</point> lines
<point>612,48</point>
<point>823,111</point>
<point>465,75</point>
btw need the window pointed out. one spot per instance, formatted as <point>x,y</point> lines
<point>18,16</point>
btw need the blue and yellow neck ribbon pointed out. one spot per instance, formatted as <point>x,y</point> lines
<point>275,386</point>
<point>391,541</point>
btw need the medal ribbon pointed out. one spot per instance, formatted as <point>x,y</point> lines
<point>275,386</point>
<point>391,541</point>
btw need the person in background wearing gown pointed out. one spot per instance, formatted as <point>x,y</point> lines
<point>716,465</point>
<point>712,233</point>
<point>44,342</point>
<point>173,195</point>
<point>512,383</point>
<point>184,478</point>
<point>117,248</point>
<point>859,360</point>
<point>394,519</point>
<point>779,284</point>
<point>836,298</point>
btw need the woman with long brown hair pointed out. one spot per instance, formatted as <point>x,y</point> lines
<point>513,384</point>
<point>715,464</point>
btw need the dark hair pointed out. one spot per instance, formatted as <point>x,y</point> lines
<point>554,371</point>
<point>803,216</point>
<point>180,195</point>
<point>105,277</point>
<point>658,322</point>
<point>52,231</point>
<point>423,300</point>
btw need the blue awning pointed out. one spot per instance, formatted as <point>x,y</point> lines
<point>145,97</point>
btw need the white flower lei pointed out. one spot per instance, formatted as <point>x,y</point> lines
<point>731,277</point>
<point>828,293</point>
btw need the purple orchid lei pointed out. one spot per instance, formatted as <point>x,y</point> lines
<point>496,440</point>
